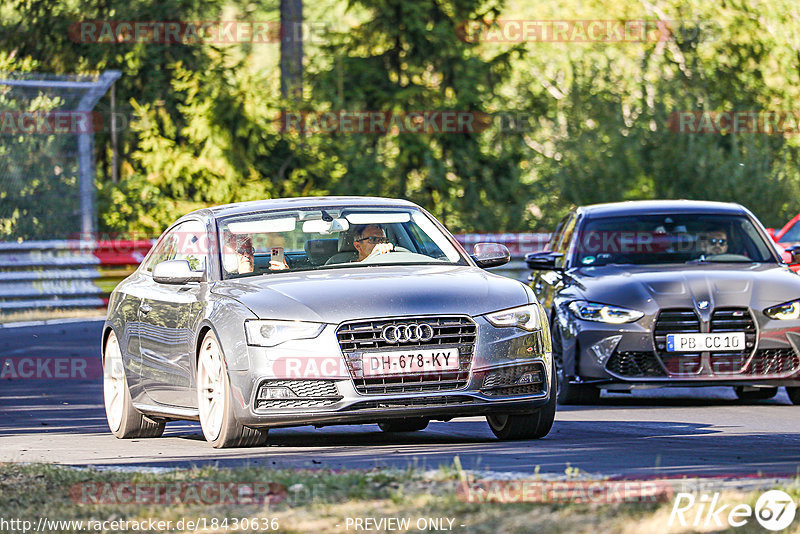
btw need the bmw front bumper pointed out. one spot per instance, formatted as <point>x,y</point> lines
<point>636,353</point>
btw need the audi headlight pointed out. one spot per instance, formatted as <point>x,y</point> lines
<point>603,313</point>
<point>525,317</point>
<point>786,312</point>
<point>271,333</point>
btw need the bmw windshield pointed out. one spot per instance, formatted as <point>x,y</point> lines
<point>316,239</point>
<point>670,239</point>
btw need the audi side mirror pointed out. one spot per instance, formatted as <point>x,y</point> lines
<point>176,272</point>
<point>490,255</point>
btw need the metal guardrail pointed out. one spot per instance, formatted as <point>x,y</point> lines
<point>64,273</point>
<point>46,274</point>
<point>81,274</point>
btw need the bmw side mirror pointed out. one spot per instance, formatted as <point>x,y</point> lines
<point>544,261</point>
<point>176,272</point>
<point>490,255</point>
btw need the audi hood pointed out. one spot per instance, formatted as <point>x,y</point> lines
<point>341,294</point>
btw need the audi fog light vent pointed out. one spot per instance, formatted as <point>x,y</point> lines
<point>279,392</point>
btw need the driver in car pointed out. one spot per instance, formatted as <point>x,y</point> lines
<point>713,242</point>
<point>370,241</point>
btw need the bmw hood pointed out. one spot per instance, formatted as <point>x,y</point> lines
<point>336,295</point>
<point>710,285</point>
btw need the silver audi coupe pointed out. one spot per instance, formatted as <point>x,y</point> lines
<point>323,311</point>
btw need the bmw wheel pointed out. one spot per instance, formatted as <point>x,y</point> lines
<point>753,394</point>
<point>124,420</point>
<point>569,393</point>
<point>215,402</point>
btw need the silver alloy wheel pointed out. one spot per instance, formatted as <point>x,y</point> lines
<point>211,388</point>
<point>113,383</point>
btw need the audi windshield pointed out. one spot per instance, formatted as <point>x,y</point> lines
<point>302,240</point>
<point>669,239</point>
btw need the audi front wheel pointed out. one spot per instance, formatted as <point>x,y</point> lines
<point>215,401</point>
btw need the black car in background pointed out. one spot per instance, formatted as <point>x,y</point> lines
<point>668,293</point>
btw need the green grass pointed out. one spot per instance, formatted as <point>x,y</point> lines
<point>318,501</point>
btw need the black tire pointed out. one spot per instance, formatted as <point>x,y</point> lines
<point>794,395</point>
<point>132,422</point>
<point>411,424</point>
<point>528,426</point>
<point>231,432</point>
<point>569,393</point>
<point>756,394</point>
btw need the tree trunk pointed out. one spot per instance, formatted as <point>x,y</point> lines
<point>292,49</point>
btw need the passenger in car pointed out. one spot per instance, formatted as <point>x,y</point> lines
<point>238,255</point>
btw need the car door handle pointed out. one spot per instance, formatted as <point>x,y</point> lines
<point>145,308</point>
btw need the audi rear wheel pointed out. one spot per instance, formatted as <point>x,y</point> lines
<point>124,420</point>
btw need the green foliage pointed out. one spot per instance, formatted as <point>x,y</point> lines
<point>609,130</point>
<point>203,116</point>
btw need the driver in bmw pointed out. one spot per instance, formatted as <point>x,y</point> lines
<point>370,241</point>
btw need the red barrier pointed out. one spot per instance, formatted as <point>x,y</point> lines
<point>122,252</point>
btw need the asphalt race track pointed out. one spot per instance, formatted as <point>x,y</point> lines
<point>654,433</point>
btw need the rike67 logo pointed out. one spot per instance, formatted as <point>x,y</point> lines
<point>775,510</point>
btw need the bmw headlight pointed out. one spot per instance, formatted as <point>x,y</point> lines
<point>787,312</point>
<point>603,313</point>
<point>525,317</point>
<point>271,333</point>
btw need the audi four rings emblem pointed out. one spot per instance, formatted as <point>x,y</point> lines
<point>407,333</point>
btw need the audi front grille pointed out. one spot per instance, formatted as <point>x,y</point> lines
<point>359,337</point>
